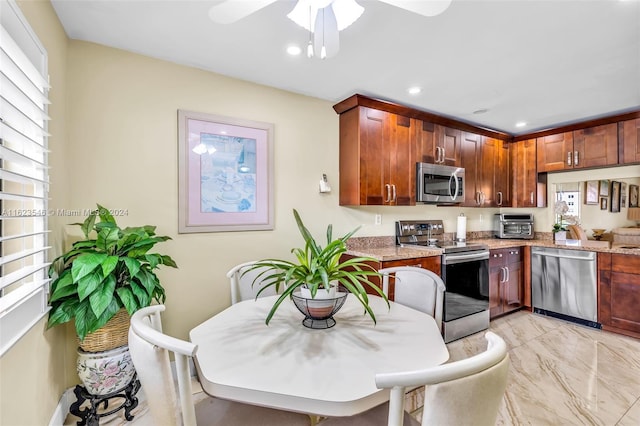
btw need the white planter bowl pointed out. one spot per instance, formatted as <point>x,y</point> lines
<point>105,372</point>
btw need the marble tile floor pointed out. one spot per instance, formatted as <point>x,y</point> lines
<point>561,374</point>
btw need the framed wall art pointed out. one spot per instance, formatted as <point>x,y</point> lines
<point>603,203</point>
<point>591,192</point>
<point>615,197</point>
<point>623,194</point>
<point>225,168</point>
<point>633,196</point>
<point>604,188</point>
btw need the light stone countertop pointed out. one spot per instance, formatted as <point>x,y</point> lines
<point>384,248</point>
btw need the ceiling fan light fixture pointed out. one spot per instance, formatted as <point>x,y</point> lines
<point>305,12</point>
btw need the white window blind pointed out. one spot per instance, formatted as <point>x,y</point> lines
<point>24,284</point>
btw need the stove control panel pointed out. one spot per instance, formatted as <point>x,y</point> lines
<point>418,231</point>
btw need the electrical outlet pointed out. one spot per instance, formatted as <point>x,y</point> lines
<point>481,218</point>
<point>378,220</point>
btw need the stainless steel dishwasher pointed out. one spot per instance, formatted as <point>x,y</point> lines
<point>563,284</point>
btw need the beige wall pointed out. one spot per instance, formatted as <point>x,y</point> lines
<point>37,370</point>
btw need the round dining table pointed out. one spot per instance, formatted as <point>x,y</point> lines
<point>326,372</point>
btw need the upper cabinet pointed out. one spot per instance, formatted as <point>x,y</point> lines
<point>437,144</point>
<point>486,164</point>
<point>376,158</point>
<point>584,148</point>
<point>528,190</point>
<point>629,136</point>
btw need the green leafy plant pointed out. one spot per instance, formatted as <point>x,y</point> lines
<point>99,276</point>
<point>318,268</point>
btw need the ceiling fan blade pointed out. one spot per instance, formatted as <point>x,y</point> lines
<point>326,41</point>
<point>230,11</point>
<point>421,7</point>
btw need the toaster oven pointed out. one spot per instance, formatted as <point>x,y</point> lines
<point>513,225</point>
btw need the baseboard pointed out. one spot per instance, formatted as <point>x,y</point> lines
<point>62,409</point>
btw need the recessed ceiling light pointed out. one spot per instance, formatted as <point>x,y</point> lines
<point>521,124</point>
<point>481,111</point>
<point>414,90</point>
<point>294,50</point>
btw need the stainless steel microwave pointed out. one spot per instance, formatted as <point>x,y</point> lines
<point>514,225</point>
<point>439,184</point>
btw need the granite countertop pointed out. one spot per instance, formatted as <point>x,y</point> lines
<point>384,248</point>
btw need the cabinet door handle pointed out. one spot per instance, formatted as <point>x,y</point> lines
<point>442,155</point>
<point>393,189</point>
<point>531,197</point>
<point>499,198</point>
<point>506,269</point>
<point>502,275</point>
<point>388,187</point>
<point>569,158</point>
<point>576,155</point>
<point>482,198</point>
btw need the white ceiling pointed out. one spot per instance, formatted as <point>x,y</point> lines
<point>543,62</point>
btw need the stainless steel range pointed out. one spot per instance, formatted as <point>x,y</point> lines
<point>465,272</point>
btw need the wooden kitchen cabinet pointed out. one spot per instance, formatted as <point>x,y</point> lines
<point>437,144</point>
<point>486,164</point>
<point>619,293</point>
<point>506,286</point>
<point>431,263</point>
<point>629,141</point>
<point>377,158</point>
<point>529,187</point>
<point>584,148</point>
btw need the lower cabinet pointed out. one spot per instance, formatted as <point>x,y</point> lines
<point>619,293</point>
<point>431,263</point>
<point>505,281</point>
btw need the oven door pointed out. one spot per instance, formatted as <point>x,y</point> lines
<point>466,277</point>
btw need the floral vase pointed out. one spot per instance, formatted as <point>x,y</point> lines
<point>105,372</point>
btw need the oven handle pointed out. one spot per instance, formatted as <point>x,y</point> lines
<point>450,259</point>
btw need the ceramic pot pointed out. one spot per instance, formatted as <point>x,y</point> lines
<point>560,236</point>
<point>105,372</point>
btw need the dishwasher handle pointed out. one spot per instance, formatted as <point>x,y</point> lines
<point>564,254</point>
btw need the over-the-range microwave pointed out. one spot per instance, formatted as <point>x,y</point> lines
<point>439,184</point>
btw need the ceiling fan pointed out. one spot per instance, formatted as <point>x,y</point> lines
<point>322,18</point>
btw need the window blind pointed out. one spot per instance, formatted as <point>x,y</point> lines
<point>24,180</point>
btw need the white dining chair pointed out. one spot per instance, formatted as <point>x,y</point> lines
<point>465,392</point>
<point>417,288</point>
<point>149,348</point>
<point>242,286</point>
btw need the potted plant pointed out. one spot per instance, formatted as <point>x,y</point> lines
<point>319,270</point>
<point>99,283</point>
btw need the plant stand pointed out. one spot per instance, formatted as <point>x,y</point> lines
<point>90,416</point>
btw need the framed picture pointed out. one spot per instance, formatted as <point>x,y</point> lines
<point>604,188</point>
<point>591,192</point>
<point>633,196</point>
<point>623,194</point>
<point>603,203</point>
<point>225,180</point>
<point>615,197</point>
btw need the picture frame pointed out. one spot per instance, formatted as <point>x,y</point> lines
<point>623,195</point>
<point>614,204</point>
<point>225,174</point>
<point>591,192</point>
<point>633,196</point>
<point>604,188</point>
<point>603,203</point>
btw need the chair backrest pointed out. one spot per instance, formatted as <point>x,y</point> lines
<point>416,288</point>
<point>242,287</point>
<point>577,233</point>
<point>464,392</point>
<point>149,349</point>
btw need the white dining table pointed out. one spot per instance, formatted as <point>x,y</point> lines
<point>328,372</point>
